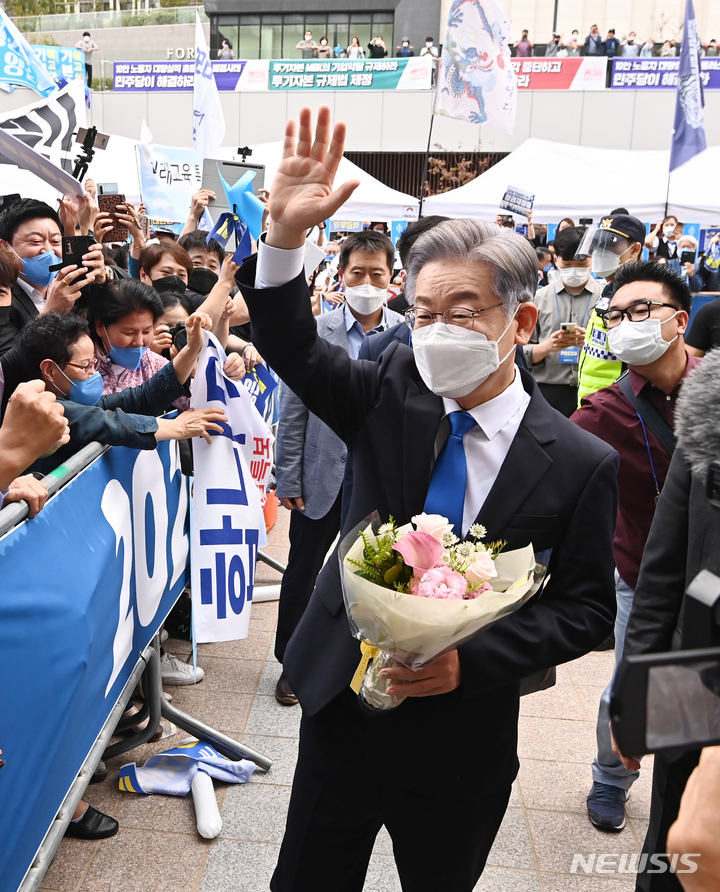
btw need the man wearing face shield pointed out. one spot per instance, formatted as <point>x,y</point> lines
<point>617,240</point>
<point>564,306</point>
<point>454,400</point>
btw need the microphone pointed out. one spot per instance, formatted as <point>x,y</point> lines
<point>697,414</point>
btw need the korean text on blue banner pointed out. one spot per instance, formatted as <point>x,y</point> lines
<point>660,74</point>
<point>92,577</point>
<point>63,63</point>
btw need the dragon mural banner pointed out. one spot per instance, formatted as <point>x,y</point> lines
<point>476,80</point>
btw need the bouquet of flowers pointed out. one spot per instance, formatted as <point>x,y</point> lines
<point>413,592</point>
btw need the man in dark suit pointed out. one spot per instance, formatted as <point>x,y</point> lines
<point>437,770</point>
<point>32,231</point>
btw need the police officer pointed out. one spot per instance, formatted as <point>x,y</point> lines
<point>617,240</point>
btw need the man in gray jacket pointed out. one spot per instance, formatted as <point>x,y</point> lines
<point>310,457</point>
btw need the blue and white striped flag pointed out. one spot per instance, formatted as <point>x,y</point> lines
<point>208,118</point>
<point>689,128</point>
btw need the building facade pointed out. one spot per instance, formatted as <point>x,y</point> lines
<point>272,29</point>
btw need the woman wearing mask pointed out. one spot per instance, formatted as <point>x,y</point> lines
<point>123,326</point>
<point>324,50</point>
<point>661,241</point>
<point>355,51</point>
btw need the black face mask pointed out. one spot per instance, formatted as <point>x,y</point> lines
<point>202,280</point>
<point>169,283</point>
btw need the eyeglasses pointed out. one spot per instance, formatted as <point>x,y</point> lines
<point>460,316</point>
<point>90,365</point>
<point>635,313</point>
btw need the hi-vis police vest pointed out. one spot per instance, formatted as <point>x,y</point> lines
<point>598,366</point>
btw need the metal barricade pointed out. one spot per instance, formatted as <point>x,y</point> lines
<point>147,669</point>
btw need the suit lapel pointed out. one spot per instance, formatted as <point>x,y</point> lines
<point>337,333</point>
<point>524,465</point>
<point>20,296</point>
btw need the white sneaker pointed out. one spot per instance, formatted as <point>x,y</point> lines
<point>174,671</point>
<point>164,636</point>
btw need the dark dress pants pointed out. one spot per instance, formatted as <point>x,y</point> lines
<point>669,780</point>
<point>341,799</point>
<point>309,543</point>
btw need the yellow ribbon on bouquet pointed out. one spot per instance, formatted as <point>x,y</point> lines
<point>369,652</point>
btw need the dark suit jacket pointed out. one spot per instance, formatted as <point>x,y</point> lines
<point>684,539</point>
<point>13,318</point>
<point>556,490</point>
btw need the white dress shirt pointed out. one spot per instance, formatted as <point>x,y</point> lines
<point>488,443</point>
<point>32,293</point>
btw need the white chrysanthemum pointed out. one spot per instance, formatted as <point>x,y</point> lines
<point>385,530</point>
<point>465,550</point>
<point>447,559</point>
<point>449,539</point>
<point>478,531</point>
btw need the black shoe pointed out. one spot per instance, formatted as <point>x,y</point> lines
<point>99,774</point>
<point>93,825</point>
<point>283,692</point>
<point>608,643</point>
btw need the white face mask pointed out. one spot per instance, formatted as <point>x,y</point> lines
<point>668,231</point>
<point>639,343</point>
<point>453,361</point>
<point>365,299</point>
<point>605,263</point>
<point>574,276</point>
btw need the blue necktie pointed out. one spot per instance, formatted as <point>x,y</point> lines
<point>446,495</point>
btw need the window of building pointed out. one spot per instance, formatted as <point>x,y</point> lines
<point>277,36</point>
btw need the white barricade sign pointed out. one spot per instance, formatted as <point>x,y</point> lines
<point>227,519</point>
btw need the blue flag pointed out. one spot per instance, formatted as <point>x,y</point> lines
<point>689,128</point>
<point>19,65</point>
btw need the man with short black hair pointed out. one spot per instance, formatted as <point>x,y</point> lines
<point>564,306</point>
<point>646,322</point>
<point>33,232</point>
<point>88,46</point>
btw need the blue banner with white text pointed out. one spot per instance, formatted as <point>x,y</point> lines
<point>84,587</point>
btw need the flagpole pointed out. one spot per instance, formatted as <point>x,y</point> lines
<point>425,165</point>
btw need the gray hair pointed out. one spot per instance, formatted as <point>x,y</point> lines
<point>689,238</point>
<point>509,257</point>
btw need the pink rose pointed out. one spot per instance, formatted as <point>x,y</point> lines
<point>485,587</point>
<point>481,569</point>
<point>434,524</point>
<point>440,582</point>
<point>421,551</point>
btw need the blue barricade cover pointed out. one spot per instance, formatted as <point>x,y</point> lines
<point>84,587</point>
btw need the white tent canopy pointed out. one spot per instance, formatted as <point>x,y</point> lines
<point>372,200</point>
<point>577,181</point>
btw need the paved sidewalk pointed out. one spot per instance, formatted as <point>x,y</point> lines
<point>159,849</point>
